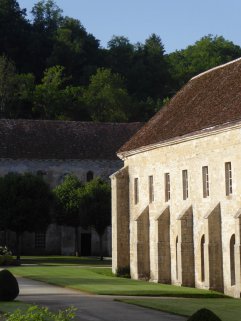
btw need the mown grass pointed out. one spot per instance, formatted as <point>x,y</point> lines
<point>101,281</point>
<point>64,260</point>
<point>12,306</point>
<point>227,309</point>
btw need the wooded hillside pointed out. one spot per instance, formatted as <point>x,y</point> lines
<point>52,68</point>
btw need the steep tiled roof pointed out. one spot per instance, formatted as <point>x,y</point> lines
<point>210,99</point>
<point>45,139</point>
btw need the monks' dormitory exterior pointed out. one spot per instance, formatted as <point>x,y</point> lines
<point>177,200</point>
<point>54,149</point>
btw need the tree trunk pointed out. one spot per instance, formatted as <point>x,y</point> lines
<point>101,246</point>
<point>76,241</point>
<point>18,246</point>
<point>5,237</point>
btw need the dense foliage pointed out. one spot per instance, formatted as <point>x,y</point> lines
<point>25,202</point>
<point>52,68</point>
<point>86,206</point>
<point>68,205</point>
<point>41,314</point>
<point>96,201</point>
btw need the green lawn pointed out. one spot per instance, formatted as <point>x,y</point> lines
<point>64,260</point>
<point>101,281</point>
<point>226,309</point>
<point>12,306</point>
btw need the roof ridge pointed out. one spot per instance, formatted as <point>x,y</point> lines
<point>215,68</point>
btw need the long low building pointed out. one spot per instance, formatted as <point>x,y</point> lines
<point>54,149</point>
<point>177,200</point>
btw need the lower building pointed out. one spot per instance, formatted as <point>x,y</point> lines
<point>54,149</point>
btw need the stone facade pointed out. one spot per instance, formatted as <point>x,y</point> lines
<point>54,149</point>
<point>184,206</point>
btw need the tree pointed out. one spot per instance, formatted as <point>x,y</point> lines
<point>15,91</point>
<point>52,99</point>
<point>68,205</point>
<point>7,84</point>
<point>121,53</point>
<point>76,50</point>
<point>148,75</point>
<point>15,32</point>
<point>48,100</point>
<point>107,97</point>
<point>208,52</point>
<point>25,202</point>
<point>96,202</point>
<point>47,17</point>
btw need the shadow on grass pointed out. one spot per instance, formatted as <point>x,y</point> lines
<point>64,260</point>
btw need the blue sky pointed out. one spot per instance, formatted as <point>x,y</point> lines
<point>179,23</point>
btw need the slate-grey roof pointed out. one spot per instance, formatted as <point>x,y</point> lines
<point>210,99</point>
<point>47,139</point>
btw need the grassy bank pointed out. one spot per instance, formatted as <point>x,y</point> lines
<point>227,309</point>
<point>100,280</point>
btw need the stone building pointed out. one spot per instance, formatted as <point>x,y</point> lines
<point>177,200</point>
<point>54,149</point>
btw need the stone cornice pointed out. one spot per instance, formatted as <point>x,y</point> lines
<point>181,139</point>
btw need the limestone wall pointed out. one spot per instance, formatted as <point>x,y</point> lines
<point>54,171</point>
<point>215,255</point>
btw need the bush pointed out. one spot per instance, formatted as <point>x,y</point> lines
<point>9,289</point>
<point>123,272</point>
<point>41,314</point>
<point>204,315</point>
<point>5,256</point>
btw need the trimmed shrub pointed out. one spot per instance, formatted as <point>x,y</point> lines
<point>5,256</point>
<point>204,315</point>
<point>9,289</point>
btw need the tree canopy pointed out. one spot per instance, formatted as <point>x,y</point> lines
<point>25,202</point>
<point>68,205</point>
<point>96,201</point>
<point>123,82</point>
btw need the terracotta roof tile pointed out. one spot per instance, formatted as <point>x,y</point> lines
<point>45,139</point>
<point>210,99</point>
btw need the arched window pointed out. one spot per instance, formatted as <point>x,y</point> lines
<point>177,257</point>
<point>232,259</point>
<point>89,176</point>
<point>202,259</point>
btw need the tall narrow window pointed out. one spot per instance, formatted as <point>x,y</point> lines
<point>202,259</point>
<point>205,182</point>
<point>151,189</point>
<point>167,187</point>
<point>185,184</point>
<point>228,178</point>
<point>232,259</point>
<point>136,190</point>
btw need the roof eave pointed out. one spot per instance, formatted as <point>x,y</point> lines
<point>181,139</point>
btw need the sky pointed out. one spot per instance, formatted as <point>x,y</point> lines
<point>179,23</point>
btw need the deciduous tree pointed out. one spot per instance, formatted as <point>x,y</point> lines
<point>107,97</point>
<point>96,202</point>
<point>68,205</point>
<point>25,202</point>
